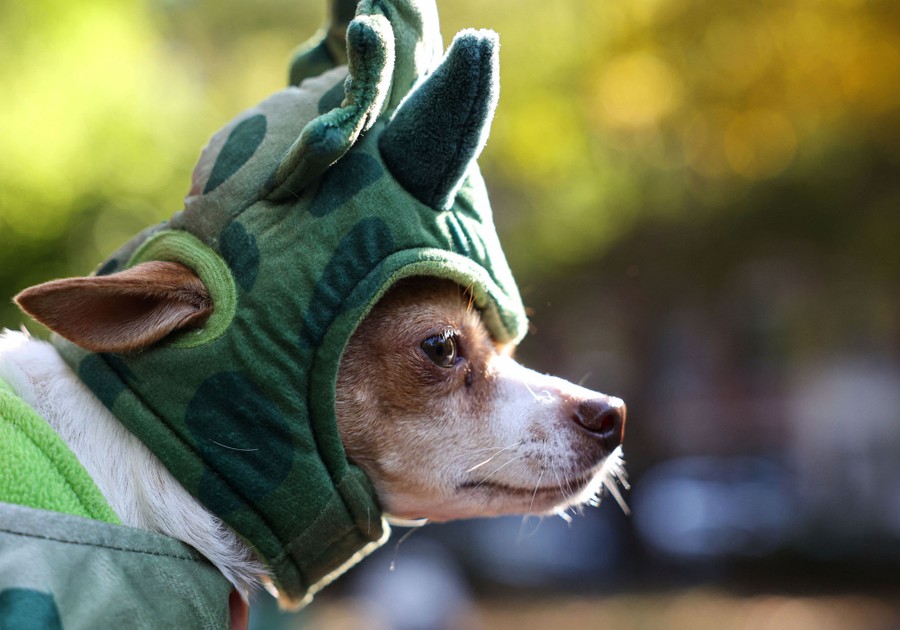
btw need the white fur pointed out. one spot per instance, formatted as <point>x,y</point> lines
<point>523,455</point>
<point>530,398</point>
<point>140,490</point>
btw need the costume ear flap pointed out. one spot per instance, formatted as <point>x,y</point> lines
<point>121,312</point>
<point>441,128</point>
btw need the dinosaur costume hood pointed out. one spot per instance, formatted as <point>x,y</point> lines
<point>303,211</point>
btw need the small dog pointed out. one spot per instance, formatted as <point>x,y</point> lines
<point>442,420</point>
<point>324,334</point>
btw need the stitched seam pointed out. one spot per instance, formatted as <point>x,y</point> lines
<point>99,546</point>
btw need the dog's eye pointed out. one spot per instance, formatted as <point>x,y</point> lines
<point>441,349</point>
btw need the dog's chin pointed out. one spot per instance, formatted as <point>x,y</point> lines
<point>548,494</point>
<point>495,499</point>
<point>491,499</point>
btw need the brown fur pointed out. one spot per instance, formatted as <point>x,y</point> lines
<point>387,345</point>
<point>434,440</point>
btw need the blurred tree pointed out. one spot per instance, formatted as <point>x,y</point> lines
<point>611,115</point>
<point>106,106</point>
<point>616,112</point>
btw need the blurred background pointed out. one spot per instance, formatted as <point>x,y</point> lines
<point>701,203</point>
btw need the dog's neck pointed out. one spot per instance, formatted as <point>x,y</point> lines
<point>139,489</point>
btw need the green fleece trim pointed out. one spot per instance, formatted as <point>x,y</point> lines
<point>38,470</point>
<point>187,249</point>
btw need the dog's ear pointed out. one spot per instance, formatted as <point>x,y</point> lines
<point>121,312</point>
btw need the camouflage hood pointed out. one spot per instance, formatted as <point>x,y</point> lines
<point>303,211</point>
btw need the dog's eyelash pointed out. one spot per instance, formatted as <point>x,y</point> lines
<point>447,333</point>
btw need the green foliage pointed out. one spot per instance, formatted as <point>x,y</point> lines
<point>611,115</point>
<point>614,113</point>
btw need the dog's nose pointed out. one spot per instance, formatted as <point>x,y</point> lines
<point>604,417</point>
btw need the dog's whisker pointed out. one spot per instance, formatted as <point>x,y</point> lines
<point>234,448</point>
<point>613,475</point>
<point>567,480</point>
<point>498,469</point>
<point>492,448</point>
<point>569,487</point>
<point>566,495</point>
<point>470,292</point>
<point>577,509</point>
<point>614,491</point>
<point>402,540</point>
<point>522,533</point>
<point>531,391</point>
<point>469,453</point>
<point>505,448</point>
<point>545,397</point>
<point>534,494</point>
<point>473,451</point>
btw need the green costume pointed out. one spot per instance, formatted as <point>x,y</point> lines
<point>65,562</point>
<point>303,211</point>
<point>59,571</point>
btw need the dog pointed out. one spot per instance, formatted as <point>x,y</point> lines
<point>324,336</point>
<point>443,421</point>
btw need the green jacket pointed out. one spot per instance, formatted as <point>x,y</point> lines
<point>65,562</point>
<point>303,211</point>
<point>62,571</point>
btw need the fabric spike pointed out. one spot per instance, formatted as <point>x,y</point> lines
<point>370,47</point>
<point>443,125</point>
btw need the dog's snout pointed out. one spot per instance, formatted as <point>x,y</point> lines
<point>604,417</point>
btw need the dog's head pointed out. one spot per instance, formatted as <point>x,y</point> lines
<point>447,425</point>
